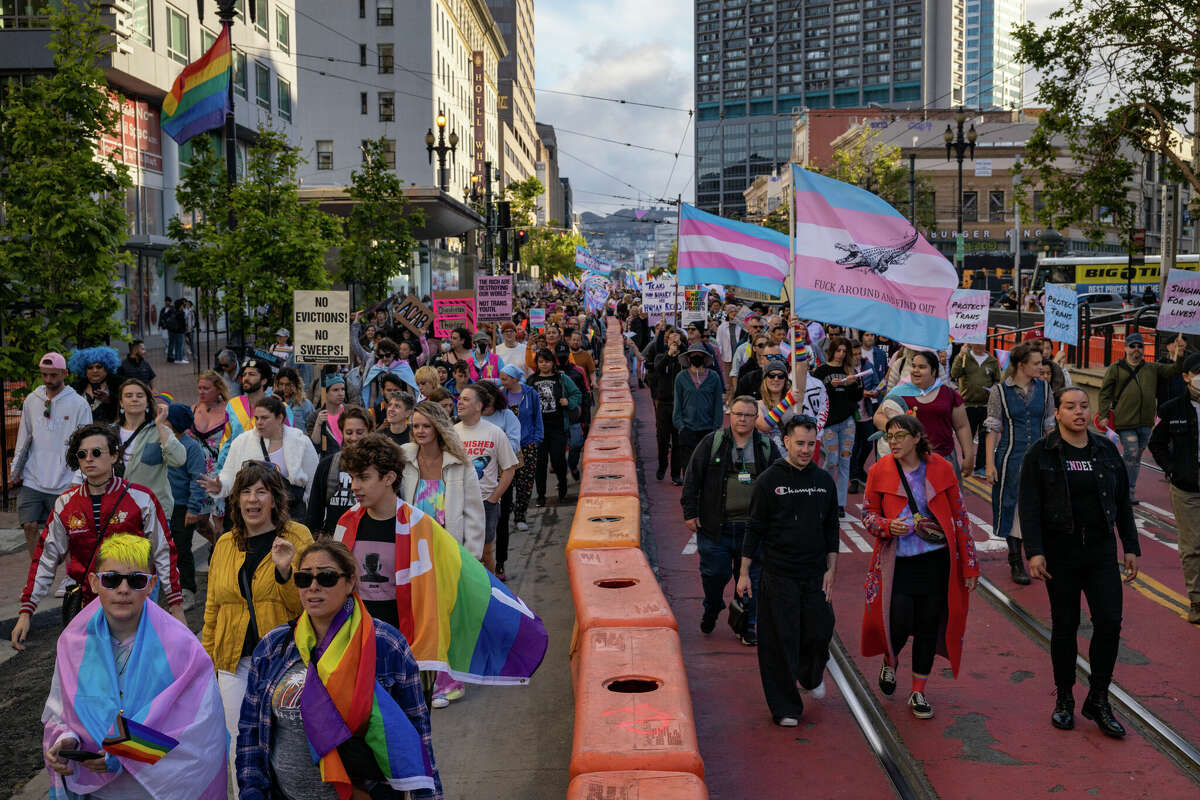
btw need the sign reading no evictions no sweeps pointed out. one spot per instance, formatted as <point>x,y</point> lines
<point>1061,322</point>
<point>321,324</point>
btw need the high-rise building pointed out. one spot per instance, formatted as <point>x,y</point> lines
<point>550,203</point>
<point>759,62</point>
<point>518,105</point>
<point>992,73</point>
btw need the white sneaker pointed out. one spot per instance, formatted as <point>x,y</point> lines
<point>183,361</point>
<point>440,701</point>
<point>189,599</point>
<point>522,526</point>
<point>66,584</point>
<point>787,722</point>
<point>819,692</point>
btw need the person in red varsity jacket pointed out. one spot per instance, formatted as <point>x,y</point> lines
<point>87,514</point>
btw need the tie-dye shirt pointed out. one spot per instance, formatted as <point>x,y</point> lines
<point>431,499</point>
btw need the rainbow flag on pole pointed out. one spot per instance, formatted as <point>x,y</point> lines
<point>199,97</point>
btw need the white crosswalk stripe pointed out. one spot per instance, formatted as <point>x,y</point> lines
<point>690,547</point>
<point>1151,535</point>
<point>1162,512</point>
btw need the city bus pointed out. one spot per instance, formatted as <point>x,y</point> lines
<point>1105,274</point>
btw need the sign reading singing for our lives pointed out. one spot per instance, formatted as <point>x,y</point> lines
<point>493,297</point>
<point>1061,320</point>
<point>1180,310</point>
<point>969,315</point>
<point>321,327</point>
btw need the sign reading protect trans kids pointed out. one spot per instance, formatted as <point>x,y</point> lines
<point>321,327</point>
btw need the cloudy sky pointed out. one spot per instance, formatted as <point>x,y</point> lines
<point>636,50</point>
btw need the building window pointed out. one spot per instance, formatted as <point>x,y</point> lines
<point>283,90</point>
<point>387,106</point>
<point>324,154</point>
<point>262,86</point>
<point>996,206</point>
<point>261,22</point>
<point>207,38</point>
<point>362,99</point>
<point>283,31</point>
<point>970,206</point>
<point>386,52</point>
<point>362,9</point>
<point>239,73</point>
<point>389,152</point>
<point>362,55</point>
<point>383,12</point>
<point>177,36</point>
<point>141,21</point>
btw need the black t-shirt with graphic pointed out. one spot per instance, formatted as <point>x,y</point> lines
<point>375,552</point>
<point>1082,485</point>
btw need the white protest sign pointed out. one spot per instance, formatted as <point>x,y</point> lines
<point>1061,322</point>
<point>321,327</point>
<point>493,297</point>
<point>658,298</point>
<point>969,315</point>
<point>1180,311</point>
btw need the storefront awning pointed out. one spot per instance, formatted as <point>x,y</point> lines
<point>445,217</point>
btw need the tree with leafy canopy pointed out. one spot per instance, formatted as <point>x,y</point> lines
<point>379,238</point>
<point>523,196</point>
<point>64,219</point>
<point>553,251</point>
<point>279,243</point>
<point>1116,81</point>
<point>878,168</point>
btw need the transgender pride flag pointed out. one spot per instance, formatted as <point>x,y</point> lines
<point>861,264</point>
<point>713,249</point>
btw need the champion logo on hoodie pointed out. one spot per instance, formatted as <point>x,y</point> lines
<point>783,491</point>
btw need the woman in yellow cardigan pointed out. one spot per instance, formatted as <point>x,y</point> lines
<point>250,589</point>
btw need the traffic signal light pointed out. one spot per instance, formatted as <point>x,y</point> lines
<point>520,239</point>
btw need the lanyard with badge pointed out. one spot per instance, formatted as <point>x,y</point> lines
<point>744,477</point>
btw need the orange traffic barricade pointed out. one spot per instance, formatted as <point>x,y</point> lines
<point>611,426</point>
<point>613,587</point>
<point>607,448</point>
<point>622,395</point>
<point>606,521</point>
<point>629,785</point>
<point>618,409</point>
<point>609,478</point>
<point>632,706</point>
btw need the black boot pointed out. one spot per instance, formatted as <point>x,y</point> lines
<point>1063,717</point>
<point>1016,566</point>
<point>1096,708</point>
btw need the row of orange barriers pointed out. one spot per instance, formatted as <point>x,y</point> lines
<point>635,735</point>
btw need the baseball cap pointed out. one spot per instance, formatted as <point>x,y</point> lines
<point>480,336</point>
<point>1134,338</point>
<point>282,332</point>
<point>53,361</point>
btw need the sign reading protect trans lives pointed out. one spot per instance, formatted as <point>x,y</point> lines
<point>321,327</point>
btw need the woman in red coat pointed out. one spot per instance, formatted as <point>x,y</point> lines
<point>923,567</point>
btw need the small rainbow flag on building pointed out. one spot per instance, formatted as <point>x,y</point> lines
<point>138,742</point>
<point>199,97</point>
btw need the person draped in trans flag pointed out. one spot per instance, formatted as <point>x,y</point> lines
<point>133,709</point>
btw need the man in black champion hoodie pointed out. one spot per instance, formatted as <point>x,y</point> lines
<point>794,516</point>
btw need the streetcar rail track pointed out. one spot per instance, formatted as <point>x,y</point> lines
<point>1162,736</point>
<point>902,769</point>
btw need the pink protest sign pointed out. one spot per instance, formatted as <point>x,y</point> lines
<point>453,309</point>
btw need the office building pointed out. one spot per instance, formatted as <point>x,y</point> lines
<point>760,62</point>
<point>518,105</point>
<point>550,206</point>
<point>993,76</point>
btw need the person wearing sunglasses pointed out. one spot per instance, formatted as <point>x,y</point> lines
<point>87,514</point>
<point>126,659</point>
<point>1129,398</point>
<point>48,415</point>
<point>923,568</point>
<point>250,590</point>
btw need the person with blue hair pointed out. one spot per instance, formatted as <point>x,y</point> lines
<point>97,381</point>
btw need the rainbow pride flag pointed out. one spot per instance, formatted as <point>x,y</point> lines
<point>138,742</point>
<point>457,617</point>
<point>776,413</point>
<point>199,98</point>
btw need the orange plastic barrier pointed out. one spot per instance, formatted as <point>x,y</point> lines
<point>609,478</point>
<point>613,587</point>
<point>619,410</point>
<point>611,382</point>
<point>606,448</point>
<point>632,706</point>
<point>612,426</point>
<point>602,521</point>
<point>622,395</point>
<point>637,786</point>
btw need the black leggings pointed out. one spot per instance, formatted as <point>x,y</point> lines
<point>668,440</point>
<point>506,507</point>
<point>1092,572</point>
<point>919,591</point>
<point>552,452</point>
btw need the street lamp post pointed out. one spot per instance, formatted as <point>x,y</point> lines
<point>960,147</point>
<point>438,145</point>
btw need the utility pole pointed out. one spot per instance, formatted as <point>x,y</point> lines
<point>1016,246</point>
<point>912,187</point>
<point>1168,237</point>
<point>489,234</point>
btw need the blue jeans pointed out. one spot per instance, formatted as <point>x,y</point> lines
<point>175,347</point>
<point>837,446</point>
<point>1133,443</point>
<point>720,561</point>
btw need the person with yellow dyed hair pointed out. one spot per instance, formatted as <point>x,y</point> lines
<point>134,710</point>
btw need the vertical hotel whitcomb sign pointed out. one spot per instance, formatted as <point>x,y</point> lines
<point>478,111</point>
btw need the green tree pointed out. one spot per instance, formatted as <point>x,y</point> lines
<point>279,243</point>
<point>878,168</point>
<point>379,238</point>
<point>523,196</point>
<point>64,218</point>
<point>553,251</point>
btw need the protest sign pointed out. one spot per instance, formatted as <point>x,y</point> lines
<point>1180,311</point>
<point>321,327</point>
<point>659,297</point>
<point>412,314</point>
<point>493,297</point>
<point>453,309</point>
<point>1061,321</point>
<point>537,318</point>
<point>969,315</point>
